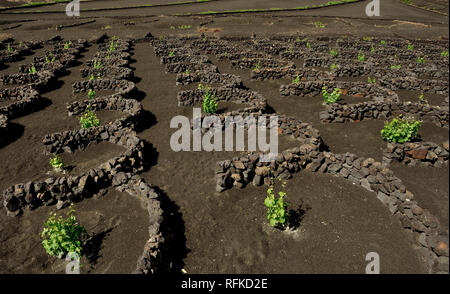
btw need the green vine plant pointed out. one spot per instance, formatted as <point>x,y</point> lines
<point>333,97</point>
<point>67,45</point>
<point>171,53</point>
<point>112,46</point>
<point>394,66</point>
<point>57,163</point>
<point>276,206</point>
<point>62,235</point>
<point>422,99</point>
<point>209,104</point>
<point>296,81</point>
<point>89,119</point>
<point>257,67</point>
<point>50,58</point>
<point>319,24</point>
<point>185,27</point>
<point>401,130</point>
<point>372,80</point>
<point>97,64</point>
<point>410,47</point>
<point>9,48</point>
<point>32,70</point>
<point>91,94</point>
<point>421,59</point>
<point>334,53</point>
<point>333,66</point>
<point>444,53</point>
<point>361,57</point>
<point>383,42</point>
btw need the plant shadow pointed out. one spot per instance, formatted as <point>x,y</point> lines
<point>173,230</point>
<point>15,131</point>
<point>295,216</point>
<point>93,245</point>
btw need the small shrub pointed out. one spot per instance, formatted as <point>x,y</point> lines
<point>421,59</point>
<point>112,47</point>
<point>67,45</point>
<point>444,53</point>
<point>276,206</point>
<point>171,53</point>
<point>91,94</point>
<point>92,77</point>
<point>257,67</point>
<point>333,53</point>
<point>334,66</point>
<point>398,66</point>
<point>97,64</point>
<point>400,130</point>
<point>361,57</point>
<point>422,99</point>
<point>372,80</point>
<point>332,97</point>
<point>308,45</point>
<point>9,48</point>
<point>319,24</point>
<point>410,47</point>
<point>383,42</point>
<point>62,235</point>
<point>89,119</point>
<point>372,49</point>
<point>49,60</point>
<point>32,69</point>
<point>56,163</point>
<point>209,104</point>
<point>296,81</point>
